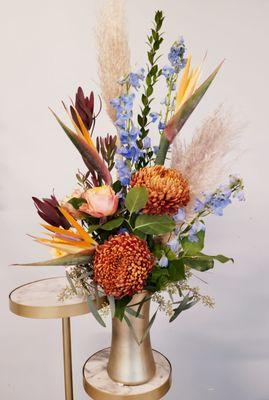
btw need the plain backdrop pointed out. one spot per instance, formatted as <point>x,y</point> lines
<point>47,50</point>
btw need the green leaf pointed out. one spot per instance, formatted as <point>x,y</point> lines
<point>176,270</point>
<point>158,278</point>
<point>136,199</point>
<point>83,257</point>
<point>95,312</point>
<point>200,262</point>
<point>133,313</point>
<point>120,305</point>
<point>222,259</point>
<point>185,304</point>
<point>192,248</point>
<point>77,202</point>
<point>114,223</point>
<point>130,325</point>
<point>93,228</point>
<point>160,249</point>
<point>149,326</point>
<point>117,186</point>
<point>154,224</point>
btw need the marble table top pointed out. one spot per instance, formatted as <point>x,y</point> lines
<point>98,385</point>
<point>40,299</point>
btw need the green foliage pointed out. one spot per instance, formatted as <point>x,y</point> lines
<point>185,304</point>
<point>120,306</point>
<point>154,224</point>
<point>117,186</point>
<point>158,279</point>
<point>155,39</point>
<point>94,311</point>
<point>176,270</point>
<point>191,248</point>
<point>136,199</point>
<point>202,262</point>
<point>114,223</point>
<point>77,202</point>
<point>161,249</point>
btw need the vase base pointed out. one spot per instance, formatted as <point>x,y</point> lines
<point>99,386</point>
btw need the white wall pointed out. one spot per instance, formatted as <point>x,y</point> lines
<point>47,50</point>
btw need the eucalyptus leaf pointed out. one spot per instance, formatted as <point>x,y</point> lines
<point>93,228</point>
<point>133,313</point>
<point>154,224</point>
<point>114,223</point>
<point>149,326</point>
<point>95,312</point>
<point>130,325</point>
<point>136,199</point>
<point>185,304</point>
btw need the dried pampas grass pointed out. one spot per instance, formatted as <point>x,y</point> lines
<point>112,51</point>
<point>204,162</point>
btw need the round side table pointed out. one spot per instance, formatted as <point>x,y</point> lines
<point>99,386</point>
<point>39,299</point>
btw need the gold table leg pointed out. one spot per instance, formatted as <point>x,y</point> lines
<point>68,379</point>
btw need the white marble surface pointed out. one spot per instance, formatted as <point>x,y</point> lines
<point>95,373</point>
<point>44,293</point>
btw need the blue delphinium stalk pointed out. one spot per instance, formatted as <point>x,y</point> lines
<point>217,201</point>
<point>128,132</point>
<point>178,61</point>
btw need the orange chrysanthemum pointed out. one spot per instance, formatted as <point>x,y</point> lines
<point>122,265</point>
<point>167,189</point>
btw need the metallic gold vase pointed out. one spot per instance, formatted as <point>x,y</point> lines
<point>130,363</point>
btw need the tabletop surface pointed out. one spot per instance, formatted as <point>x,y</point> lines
<point>40,299</point>
<point>99,386</point>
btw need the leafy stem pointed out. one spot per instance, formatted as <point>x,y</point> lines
<point>153,73</point>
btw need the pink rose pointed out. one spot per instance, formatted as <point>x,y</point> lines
<point>101,202</point>
<point>68,206</point>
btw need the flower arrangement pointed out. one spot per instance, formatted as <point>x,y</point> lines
<point>136,221</point>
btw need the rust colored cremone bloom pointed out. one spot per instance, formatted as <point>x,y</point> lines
<point>122,265</point>
<point>168,190</point>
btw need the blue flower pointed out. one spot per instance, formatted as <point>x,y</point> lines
<point>135,78</point>
<point>147,142</point>
<point>240,195</point>
<point>198,205</point>
<point>179,216</point>
<point>154,116</point>
<point>173,244</point>
<point>156,149</point>
<point>168,71</point>
<point>161,126</point>
<point>163,262</point>
<point>196,227</point>
<point>124,172</point>
<point>176,55</point>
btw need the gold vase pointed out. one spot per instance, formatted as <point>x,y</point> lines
<point>131,363</point>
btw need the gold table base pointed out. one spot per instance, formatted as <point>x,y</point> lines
<point>39,299</point>
<point>99,386</point>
